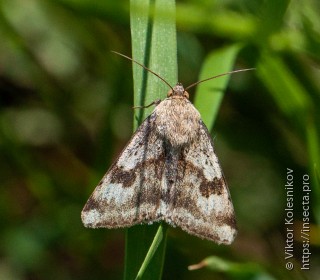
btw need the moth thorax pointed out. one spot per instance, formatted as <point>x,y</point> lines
<point>178,91</point>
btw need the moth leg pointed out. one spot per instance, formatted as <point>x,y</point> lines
<point>156,102</point>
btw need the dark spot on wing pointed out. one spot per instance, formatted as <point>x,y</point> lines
<point>228,220</point>
<point>159,166</point>
<point>120,176</point>
<point>219,184</point>
<point>208,188</point>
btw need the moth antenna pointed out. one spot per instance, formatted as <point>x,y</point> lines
<point>220,75</point>
<point>145,67</point>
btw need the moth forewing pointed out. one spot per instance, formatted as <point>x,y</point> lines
<point>128,194</point>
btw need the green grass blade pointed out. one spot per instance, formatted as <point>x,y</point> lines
<point>248,270</point>
<point>158,238</point>
<point>209,94</point>
<point>291,97</point>
<point>154,45</point>
<point>141,28</point>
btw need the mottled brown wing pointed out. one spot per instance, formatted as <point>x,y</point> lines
<point>130,191</point>
<point>200,202</point>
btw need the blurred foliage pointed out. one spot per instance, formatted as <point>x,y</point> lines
<point>66,114</point>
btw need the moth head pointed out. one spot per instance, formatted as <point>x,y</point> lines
<point>178,91</point>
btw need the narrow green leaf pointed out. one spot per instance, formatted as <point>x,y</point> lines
<point>154,45</point>
<point>246,270</point>
<point>141,28</point>
<point>209,94</point>
<point>290,96</point>
<point>159,237</point>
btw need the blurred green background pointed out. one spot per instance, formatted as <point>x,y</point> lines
<point>66,114</point>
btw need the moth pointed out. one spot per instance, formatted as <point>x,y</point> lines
<point>168,171</point>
